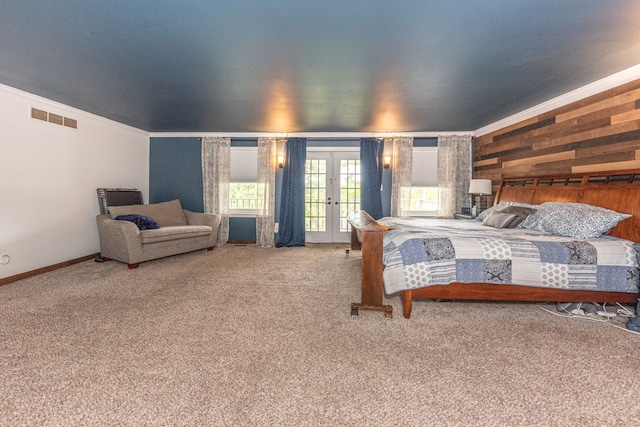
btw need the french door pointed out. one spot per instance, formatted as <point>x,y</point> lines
<point>332,191</point>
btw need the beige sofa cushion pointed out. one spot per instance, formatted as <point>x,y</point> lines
<point>164,234</point>
<point>166,214</point>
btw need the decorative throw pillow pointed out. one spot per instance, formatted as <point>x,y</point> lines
<point>577,220</point>
<point>143,222</point>
<point>485,213</point>
<point>499,219</point>
<point>520,212</point>
<point>500,208</point>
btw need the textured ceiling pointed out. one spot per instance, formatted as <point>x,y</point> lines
<point>312,65</point>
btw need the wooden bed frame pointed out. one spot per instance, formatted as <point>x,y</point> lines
<point>616,190</point>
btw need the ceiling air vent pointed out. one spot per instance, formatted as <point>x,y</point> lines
<point>53,118</point>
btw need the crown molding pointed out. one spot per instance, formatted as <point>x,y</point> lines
<point>609,82</point>
<point>323,135</point>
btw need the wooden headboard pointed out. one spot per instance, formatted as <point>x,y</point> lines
<point>615,190</point>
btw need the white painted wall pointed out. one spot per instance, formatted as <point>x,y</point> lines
<point>49,175</point>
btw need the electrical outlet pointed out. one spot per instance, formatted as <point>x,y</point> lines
<point>276,227</point>
<point>4,257</point>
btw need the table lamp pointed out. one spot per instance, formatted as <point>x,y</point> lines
<point>482,188</point>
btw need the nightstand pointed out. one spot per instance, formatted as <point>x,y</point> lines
<point>462,216</point>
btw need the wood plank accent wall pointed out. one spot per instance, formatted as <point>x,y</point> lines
<point>598,133</point>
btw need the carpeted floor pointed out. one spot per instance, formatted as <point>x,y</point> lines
<point>263,337</point>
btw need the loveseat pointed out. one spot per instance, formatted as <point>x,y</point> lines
<point>178,231</point>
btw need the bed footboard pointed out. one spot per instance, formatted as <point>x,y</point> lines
<point>505,292</point>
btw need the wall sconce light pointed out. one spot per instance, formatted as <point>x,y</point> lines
<point>280,162</point>
<point>386,162</point>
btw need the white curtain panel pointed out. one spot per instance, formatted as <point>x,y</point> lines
<point>265,218</point>
<point>402,164</point>
<point>454,173</point>
<point>216,168</point>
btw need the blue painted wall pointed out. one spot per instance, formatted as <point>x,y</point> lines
<point>425,142</point>
<point>175,172</point>
<point>242,228</point>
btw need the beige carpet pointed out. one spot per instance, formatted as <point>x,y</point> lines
<point>244,336</point>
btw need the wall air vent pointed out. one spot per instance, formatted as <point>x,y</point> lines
<point>53,118</point>
<point>56,119</point>
<point>39,114</point>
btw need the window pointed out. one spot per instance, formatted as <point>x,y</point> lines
<point>350,179</point>
<point>315,195</point>
<point>421,199</point>
<point>246,197</point>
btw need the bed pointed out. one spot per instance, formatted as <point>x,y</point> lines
<point>618,191</point>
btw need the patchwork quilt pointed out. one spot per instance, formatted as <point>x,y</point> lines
<point>419,252</point>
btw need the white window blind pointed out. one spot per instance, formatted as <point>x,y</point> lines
<point>244,164</point>
<point>424,172</point>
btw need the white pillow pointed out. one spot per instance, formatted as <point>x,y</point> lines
<point>577,220</point>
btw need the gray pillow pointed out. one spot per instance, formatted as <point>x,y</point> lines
<point>577,220</point>
<point>499,219</point>
<point>520,212</point>
<point>500,208</point>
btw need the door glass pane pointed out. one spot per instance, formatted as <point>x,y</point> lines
<point>349,191</point>
<point>315,203</point>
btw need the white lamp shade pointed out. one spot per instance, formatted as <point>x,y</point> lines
<point>480,186</point>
